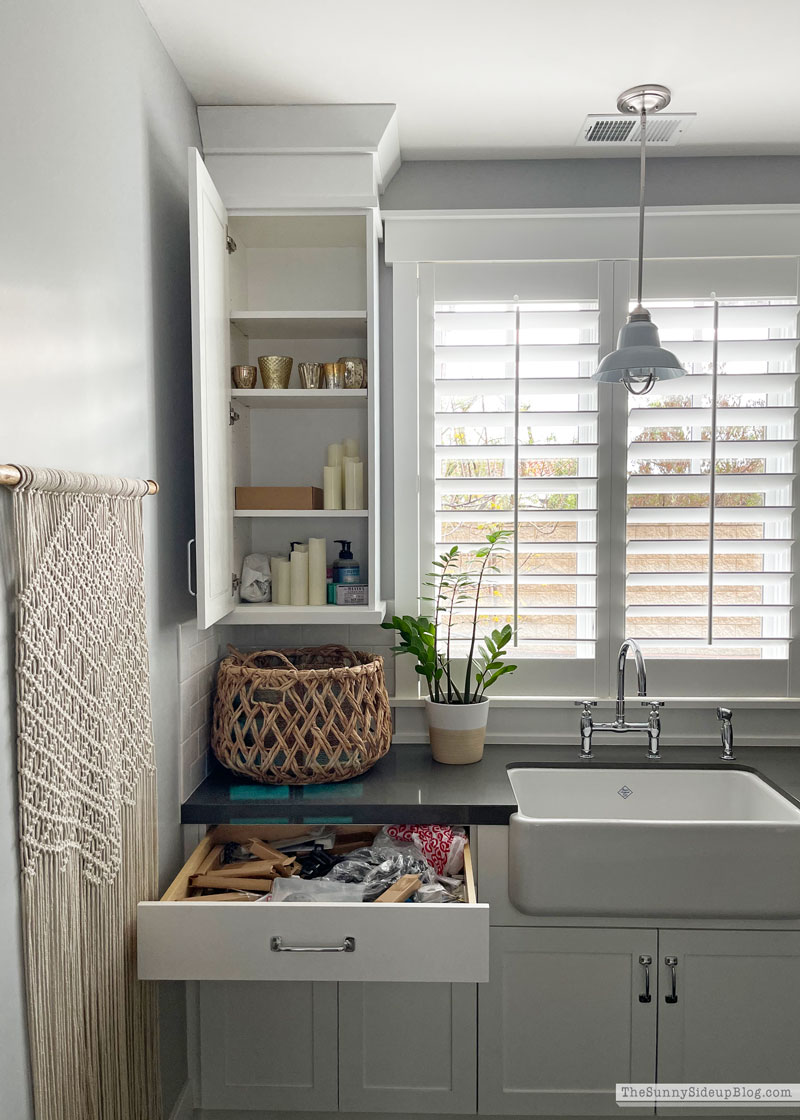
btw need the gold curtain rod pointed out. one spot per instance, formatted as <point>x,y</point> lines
<point>11,476</point>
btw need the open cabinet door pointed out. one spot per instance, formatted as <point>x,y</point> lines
<point>210,349</point>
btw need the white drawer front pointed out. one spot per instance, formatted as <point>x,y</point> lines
<point>417,942</point>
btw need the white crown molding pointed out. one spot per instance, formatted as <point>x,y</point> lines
<point>294,130</point>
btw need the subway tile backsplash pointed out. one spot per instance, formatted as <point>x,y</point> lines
<point>199,654</point>
<point>198,657</point>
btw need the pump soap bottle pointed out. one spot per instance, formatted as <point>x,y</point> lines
<point>345,569</point>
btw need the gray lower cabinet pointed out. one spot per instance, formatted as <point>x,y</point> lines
<point>561,1021</point>
<point>736,1013</point>
<point>407,1048</point>
<point>268,1045</point>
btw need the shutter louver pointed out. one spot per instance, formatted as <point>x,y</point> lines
<point>516,446</point>
<point>710,482</point>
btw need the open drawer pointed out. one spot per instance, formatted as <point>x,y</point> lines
<point>182,939</point>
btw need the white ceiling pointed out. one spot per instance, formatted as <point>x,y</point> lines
<point>502,78</point>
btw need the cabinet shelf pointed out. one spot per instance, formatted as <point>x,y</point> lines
<point>301,324</point>
<point>317,513</point>
<point>276,614</point>
<point>300,398</point>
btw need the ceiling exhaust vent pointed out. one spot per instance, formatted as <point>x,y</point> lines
<point>663,130</point>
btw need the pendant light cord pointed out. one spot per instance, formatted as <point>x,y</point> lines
<point>643,126</point>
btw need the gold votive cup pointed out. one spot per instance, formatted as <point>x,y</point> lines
<point>244,377</point>
<point>276,369</point>
<point>355,373</point>
<point>334,375</point>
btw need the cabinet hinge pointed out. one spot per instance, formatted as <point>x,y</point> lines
<point>235,583</point>
<point>233,415</point>
<point>230,244</point>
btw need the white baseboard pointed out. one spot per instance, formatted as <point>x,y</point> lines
<point>184,1105</point>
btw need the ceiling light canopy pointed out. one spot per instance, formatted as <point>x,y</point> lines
<point>640,360</point>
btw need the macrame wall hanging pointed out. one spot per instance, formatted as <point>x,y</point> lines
<point>86,794</point>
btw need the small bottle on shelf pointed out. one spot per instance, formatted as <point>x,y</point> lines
<point>345,569</point>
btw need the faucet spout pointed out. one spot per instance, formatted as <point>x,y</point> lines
<point>641,674</point>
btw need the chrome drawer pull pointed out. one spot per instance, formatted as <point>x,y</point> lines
<point>277,946</point>
<point>645,962</point>
<point>672,964</point>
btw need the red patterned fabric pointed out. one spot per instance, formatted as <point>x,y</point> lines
<point>441,845</point>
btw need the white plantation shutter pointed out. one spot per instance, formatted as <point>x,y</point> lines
<point>710,484</point>
<point>516,446</point>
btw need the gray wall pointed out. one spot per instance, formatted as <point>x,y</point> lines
<point>672,180</point>
<point>94,357</point>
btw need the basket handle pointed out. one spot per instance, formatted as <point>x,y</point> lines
<point>252,657</point>
<point>334,647</point>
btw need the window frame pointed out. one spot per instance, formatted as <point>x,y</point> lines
<point>429,252</point>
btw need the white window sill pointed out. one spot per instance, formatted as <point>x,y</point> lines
<point>787,702</point>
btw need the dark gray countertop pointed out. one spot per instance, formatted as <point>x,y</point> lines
<point>407,786</point>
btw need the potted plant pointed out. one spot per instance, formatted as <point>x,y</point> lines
<point>457,706</point>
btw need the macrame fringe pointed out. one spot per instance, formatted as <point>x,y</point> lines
<point>87,795</point>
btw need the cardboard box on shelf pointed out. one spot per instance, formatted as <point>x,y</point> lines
<point>279,497</point>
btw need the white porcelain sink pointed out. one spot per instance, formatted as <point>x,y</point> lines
<point>655,841</point>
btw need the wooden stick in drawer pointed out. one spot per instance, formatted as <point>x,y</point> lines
<point>401,890</point>
<point>224,896</point>
<point>232,883</point>
<point>260,868</point>
<point>282,863</point>
<point>212,860</point>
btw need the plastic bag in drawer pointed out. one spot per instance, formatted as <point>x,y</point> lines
<point>379,867</point>
<point>295,889</point>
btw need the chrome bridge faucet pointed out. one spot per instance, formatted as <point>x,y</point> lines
<point>620,725</point>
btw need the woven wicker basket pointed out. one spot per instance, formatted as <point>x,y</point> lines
<point>301,716</point>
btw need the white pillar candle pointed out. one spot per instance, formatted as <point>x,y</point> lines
<point>332,486</point>
<point>335,453</point>
<point>281,581</point>
<point>351,448</point>
<point>317,571</point>
<point>298,563</point>
<point>354,485</point>
<point>347,459</point>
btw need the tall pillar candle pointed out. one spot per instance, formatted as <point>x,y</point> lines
<point>351,449</point>
<point>298,563</point>
<point>335,454</point>
<point>281,581</point>
<point>354,484</point>
<point>347,459</point>
<point>317,571</point>
<point>332,486</point>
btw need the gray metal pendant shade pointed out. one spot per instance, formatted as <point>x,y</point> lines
<point>639,356</point>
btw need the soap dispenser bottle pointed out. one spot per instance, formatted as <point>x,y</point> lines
<point>345,569</point>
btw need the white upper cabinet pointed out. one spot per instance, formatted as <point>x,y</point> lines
<point>210,357</point>
<point>285,236</point>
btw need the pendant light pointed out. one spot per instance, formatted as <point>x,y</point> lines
<point>639,359</point>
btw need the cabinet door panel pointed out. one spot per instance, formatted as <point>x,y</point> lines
<point>407,1048</point>
<point>560,1021</point>
<point>268,1045</point>
<point>737,1015</point>
<point>211,380</point>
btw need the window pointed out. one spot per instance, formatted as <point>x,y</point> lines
<point>711,472</point>
<point>667,517</point>
<point>516,447</point>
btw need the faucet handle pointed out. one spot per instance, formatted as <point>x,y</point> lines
<point>584,704</point>
<point>653,705</point>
